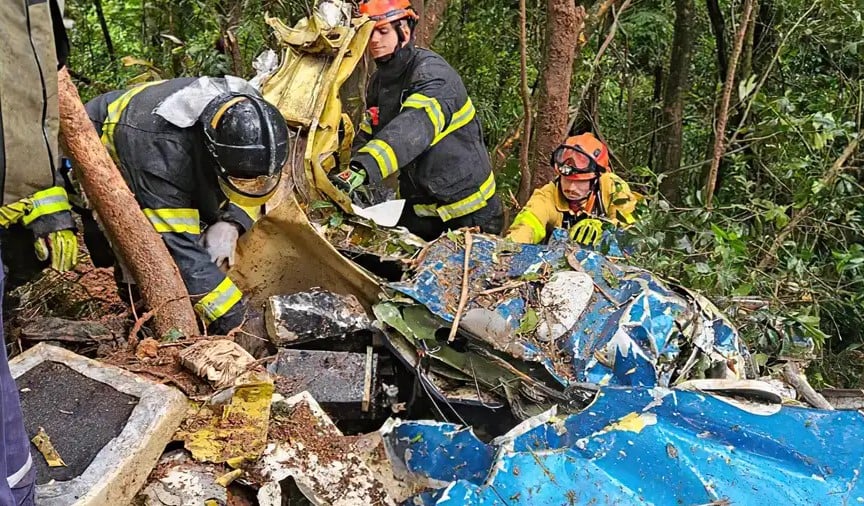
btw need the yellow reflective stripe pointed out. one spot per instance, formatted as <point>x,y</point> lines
<point>243,200</point>
<point>432,107</point>
<point>174,221</point>
<point>527,218</point>
<point>460,118</point>
<point>218,301</point>
<point>627,218</point>
<point>45,202</point>
<point>115,110</point>
<point>471,203</point>
<point>366,124</point>
<point>253,212</point>
<point>426,210</point>
<point>383,155</point>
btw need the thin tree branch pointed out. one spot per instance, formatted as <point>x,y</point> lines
<point>827,181</point>
<point>524,168</point>
<point>764,77</point>
<point>463,297</point>
<point>612,30</point>
<point>100,15</point>
<point>723,116</point>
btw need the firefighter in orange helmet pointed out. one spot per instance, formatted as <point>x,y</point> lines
<point>421,124</point>
<point>584,196</point>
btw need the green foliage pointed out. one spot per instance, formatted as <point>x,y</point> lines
<point>480,38</point>
<point>161,39</point>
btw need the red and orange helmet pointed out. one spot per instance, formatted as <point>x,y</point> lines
<point>581,157</point>
<point>388,11</point>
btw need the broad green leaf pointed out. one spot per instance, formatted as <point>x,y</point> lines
<point>745,88</point>
<point>529,322</point>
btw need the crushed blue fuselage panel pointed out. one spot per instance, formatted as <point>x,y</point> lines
<point>642,446</point>
<point>637,329</point>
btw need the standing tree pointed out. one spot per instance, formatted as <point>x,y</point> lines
<point>565,23</point>
<point>524,152</point>
<point>430,19</point>
<point>671,128</point>
<point>103,24</point>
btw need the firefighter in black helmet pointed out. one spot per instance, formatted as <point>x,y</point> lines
<point>201,156</point>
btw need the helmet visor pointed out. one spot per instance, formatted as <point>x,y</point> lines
<point>250,192</point>
<point>572,162</point>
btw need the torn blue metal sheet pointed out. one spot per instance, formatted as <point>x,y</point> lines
<point>442,451</point>
<point>632,333</point>
<point>643,446</point>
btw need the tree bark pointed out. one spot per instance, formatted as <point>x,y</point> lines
<point>430,21</point>
<point>524,167</point>
<point>142,249</point>
<point>232,50</point>
<point>100,15</point>
<point>746,66</point>
<point>231,18</point>
<point>718,27</point>
<point>723,114</point>
<point>670,145</point>
<point>565,22</point>
<point>656,116</point>
<point>792,374</point>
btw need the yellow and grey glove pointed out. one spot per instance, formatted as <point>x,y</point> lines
<point>587,232</point>
<point>61,247</point>
<point>49,217</point>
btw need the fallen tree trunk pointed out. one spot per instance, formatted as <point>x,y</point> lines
<point>139,244</point>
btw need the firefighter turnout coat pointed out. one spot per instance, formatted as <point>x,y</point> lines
<point>172,175</point>
<point>548,209</point>
<point>421,123</point>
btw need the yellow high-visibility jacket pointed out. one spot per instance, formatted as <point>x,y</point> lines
<point>547,209</point>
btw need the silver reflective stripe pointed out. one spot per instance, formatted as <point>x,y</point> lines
<point>54,199</point>
<point>15,478</point>
<point>221,300</point>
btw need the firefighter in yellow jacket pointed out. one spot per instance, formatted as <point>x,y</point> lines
<point>585,197</point>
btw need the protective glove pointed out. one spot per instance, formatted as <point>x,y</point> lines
<point>587,232</point>
<point>12,213</point>
<point>349,179</point>
<point>61,247</point>
<point>220,240</point>
<point>47,214</point>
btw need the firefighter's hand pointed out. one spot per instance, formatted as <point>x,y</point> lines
<point>587,232</point>
<point>61,247</point>
<point>220,241</point>
<point>349,179</point>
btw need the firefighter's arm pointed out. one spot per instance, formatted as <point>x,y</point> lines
<point>426,112</point>
<point>619,199</point>
<point>539,213</point>
<point>215,297</point>
<point>48,215</point>
<point>242,216</point>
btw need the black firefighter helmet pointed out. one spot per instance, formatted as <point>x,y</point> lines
<point>248,138</point>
